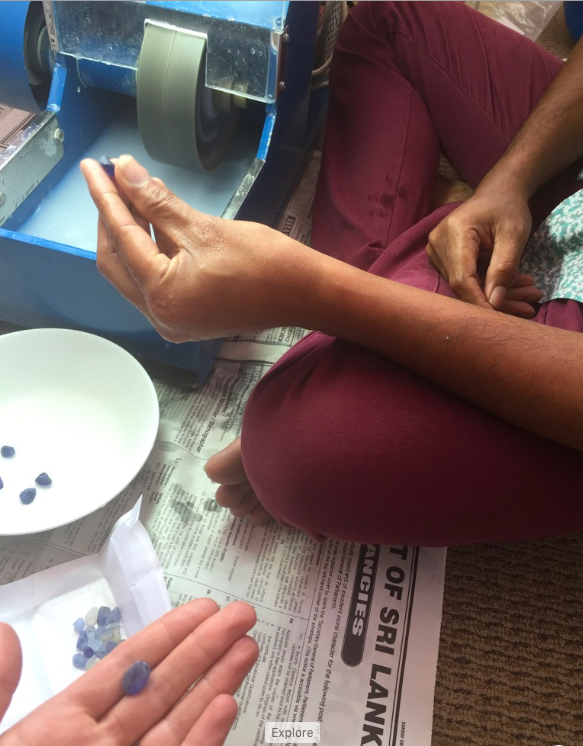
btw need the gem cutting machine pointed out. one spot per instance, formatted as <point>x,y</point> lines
<point>213,97</point>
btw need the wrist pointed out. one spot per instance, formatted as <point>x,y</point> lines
<point>342,299</point>
<point>506,180</point>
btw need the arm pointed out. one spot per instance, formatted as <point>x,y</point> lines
<point>550,139</point>
<point>526,373</point>
<point>496,218</point>
<point>209,277</point>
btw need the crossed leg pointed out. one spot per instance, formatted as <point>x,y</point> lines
<point>338,441</point>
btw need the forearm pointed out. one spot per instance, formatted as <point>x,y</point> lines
<point>550,139</point>
<point>525,373</point>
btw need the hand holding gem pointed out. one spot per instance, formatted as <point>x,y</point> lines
<point>193,643</point>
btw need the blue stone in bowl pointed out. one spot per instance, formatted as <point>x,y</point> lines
<point>27,496</point>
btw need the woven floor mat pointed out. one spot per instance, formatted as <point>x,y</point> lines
<point>510,667</point>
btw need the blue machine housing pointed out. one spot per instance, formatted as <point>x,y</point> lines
<point>48,284</point>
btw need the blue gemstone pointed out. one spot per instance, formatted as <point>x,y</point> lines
<point>79,625</point>
<point>79,661</point>
<point>7,451</point>
<point>82,641</point>
<point>115,616</point>
<point>88,652</point>
<point>1,483</point>
<point>107,166</point>
<point>95,645</point>
<point>27,496</point>
<point>90,631</point>
<point>136,677</point>
<point>103,615</point>
<point>106,649</point>
<point>43,480</point>
<point>102,633</point>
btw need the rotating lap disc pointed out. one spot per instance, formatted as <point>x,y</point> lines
<point>178,121</point>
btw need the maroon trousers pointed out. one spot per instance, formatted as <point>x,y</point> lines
<point>339,441</point>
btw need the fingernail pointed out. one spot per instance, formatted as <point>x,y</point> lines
<point>132,171</point>
<point>497,297</point>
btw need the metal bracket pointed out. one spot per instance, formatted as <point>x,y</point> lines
<point>280,42</point>
<point>27,160</point>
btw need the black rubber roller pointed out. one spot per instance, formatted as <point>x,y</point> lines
<point>177,117</point>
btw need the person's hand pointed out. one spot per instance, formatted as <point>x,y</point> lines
<point>203,277</point>
<point>226,468</point>
<point>194,644</point>
<point>499,225</point>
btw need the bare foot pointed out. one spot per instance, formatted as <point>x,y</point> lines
<point>447,190</point>
<point>235,492</point>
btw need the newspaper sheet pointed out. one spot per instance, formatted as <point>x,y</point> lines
<point>348,633</point>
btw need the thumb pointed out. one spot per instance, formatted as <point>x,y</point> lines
<point>152,198</point>
<point>502,270</point>
<point>10,666</point>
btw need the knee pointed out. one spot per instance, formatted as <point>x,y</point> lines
<point>343,444</point>
<point>329,445</point>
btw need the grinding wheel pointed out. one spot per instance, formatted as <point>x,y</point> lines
<point>177,117</point>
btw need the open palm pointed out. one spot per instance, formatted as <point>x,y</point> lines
<point>198,655</point>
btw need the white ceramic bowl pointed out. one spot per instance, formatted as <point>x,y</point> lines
<point>77,407</point>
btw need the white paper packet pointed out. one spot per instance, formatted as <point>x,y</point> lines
<point>42,608</point>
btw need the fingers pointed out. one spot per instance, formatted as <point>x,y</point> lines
<point>454,251</point>
<point>226,466</point>
<point>519,300</point>
<point>469,290</point>
<point>152,198</point>
<point>230,495</point>
<point>239,498</point>
<point>113,268</point>
<point>173,676</point>
<point>525,294</point>
<point>141,221</point>
<point>259,516</point>
<point>213,727</point>
<point>521,310</point>
<point>134,245</point>
<point>225,677</point>
<point>241,501</point>
<point>246,505</point>
<point>10,665</point>
<point>503,267</point>
<point>99,689</point>
<point>522,280</point>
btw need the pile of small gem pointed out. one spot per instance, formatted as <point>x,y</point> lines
<point>99,634</point>
<point>27,495</point>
